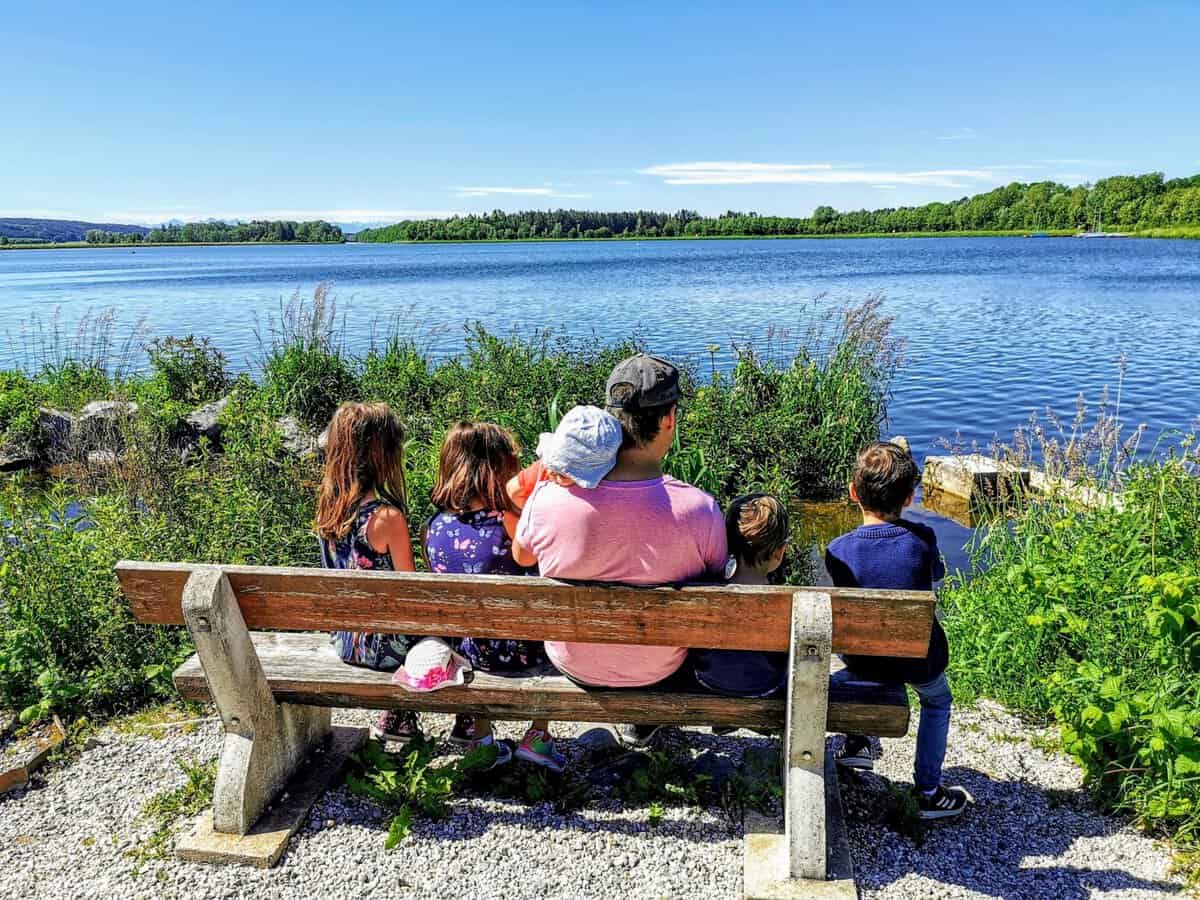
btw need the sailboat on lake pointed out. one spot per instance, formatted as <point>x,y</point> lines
<point>1100,232</point>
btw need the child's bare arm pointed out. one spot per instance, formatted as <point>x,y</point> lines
<point>516,494</point>
<point>522,555</point>
<point>388,531</point>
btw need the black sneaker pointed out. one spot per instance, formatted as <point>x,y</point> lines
<point>943,803</point>
<point>396,727</point>
<point>463,731</point>
<point>636,736</point>
<point>856,753</point>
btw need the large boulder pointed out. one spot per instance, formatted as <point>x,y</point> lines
<point>102,424</point>
<point>295,438</point>
<point>50,443</point>
<point>203,424</point>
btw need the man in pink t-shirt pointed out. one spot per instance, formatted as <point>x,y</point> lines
<point>637,526</point>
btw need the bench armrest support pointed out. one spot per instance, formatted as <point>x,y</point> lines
<point>264,741</point>
<point>804,735</point>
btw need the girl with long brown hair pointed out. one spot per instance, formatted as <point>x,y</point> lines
<point>362,524</point>
<point>472,534</point>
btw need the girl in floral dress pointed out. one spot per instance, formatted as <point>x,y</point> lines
<point>471,534</point>
<point>361,523</point>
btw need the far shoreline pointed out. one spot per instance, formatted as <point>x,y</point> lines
<point>1153,233</point>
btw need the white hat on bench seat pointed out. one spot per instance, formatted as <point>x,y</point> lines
<point>432,665</point>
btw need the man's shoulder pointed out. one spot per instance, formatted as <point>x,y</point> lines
<point>690,494</point>
<point>548,494</point>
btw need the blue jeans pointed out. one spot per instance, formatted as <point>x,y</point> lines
<point>932,732</point>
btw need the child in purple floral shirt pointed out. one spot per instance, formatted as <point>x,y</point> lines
<point>471,534</point>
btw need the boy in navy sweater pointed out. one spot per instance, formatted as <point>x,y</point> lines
<point>888,551</point>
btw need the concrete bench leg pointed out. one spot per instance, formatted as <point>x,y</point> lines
<point>795,864</point>
<point>804,738</point>
<point>265,741</point>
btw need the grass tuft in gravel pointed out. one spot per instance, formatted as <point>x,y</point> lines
<point>164,810</point>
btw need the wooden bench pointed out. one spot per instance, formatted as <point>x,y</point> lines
<point>274,689</point>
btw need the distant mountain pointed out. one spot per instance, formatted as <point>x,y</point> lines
<point>58,230</point>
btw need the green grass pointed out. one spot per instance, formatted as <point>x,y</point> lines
<point>1188,232</point>
<point>165,810</point>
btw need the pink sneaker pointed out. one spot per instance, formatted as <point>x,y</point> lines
<point>538,748</point>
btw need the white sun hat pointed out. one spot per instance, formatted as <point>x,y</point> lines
<point>583,447</point>
<point>432,665</point>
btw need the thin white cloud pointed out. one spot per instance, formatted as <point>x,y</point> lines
<point>544,191</point>
<point>1099,163</point>
<point>965,133</point>
<point>884,187</point>
<point>698,173</point>
<point>621,181</point>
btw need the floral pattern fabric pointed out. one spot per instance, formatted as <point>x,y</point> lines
<point>475,543</point>
<point>385,652</point>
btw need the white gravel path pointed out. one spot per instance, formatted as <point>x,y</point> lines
<point>1031,834</point>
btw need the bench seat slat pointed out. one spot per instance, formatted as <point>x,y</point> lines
<point>866,622</point>
<point>302,668</point>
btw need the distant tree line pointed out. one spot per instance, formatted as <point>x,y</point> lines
<point>1123,201</point>
<point>100,236</point>
<point>275,231</point>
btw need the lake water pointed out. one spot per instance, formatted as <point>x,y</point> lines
<point>996,328</point>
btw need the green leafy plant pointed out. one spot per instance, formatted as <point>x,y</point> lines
<point>1100,601</point>
<point>408,784</point>
<point>654,814</point>
<point>665,778</point>
<point>190,369</point>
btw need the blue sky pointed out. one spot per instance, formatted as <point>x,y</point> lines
<point>380,111</point>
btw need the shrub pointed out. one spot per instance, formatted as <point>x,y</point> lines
<point>18,410</point>
<point>191,370</point>
<point>516,380</point>
<point>790,418</point>
<point>309,383</point>
<point>400,374</point>
<point>305,372</point>
<point>68,640</point>
<point>72,385</point>
<point>1091,616</point>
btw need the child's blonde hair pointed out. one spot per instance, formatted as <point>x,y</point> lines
<point>757,526</point>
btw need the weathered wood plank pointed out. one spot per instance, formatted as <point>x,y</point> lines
<point>870,623</point>
<point>302,668</point>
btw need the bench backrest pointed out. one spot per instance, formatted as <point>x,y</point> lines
<point>727,617</point>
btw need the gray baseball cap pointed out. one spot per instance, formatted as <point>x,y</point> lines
<point>642,382</point>
<point>583,447</point>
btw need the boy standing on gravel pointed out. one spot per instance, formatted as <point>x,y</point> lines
<point>888,551</point>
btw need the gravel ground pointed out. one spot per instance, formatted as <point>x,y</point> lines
<point>1030,834</point>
